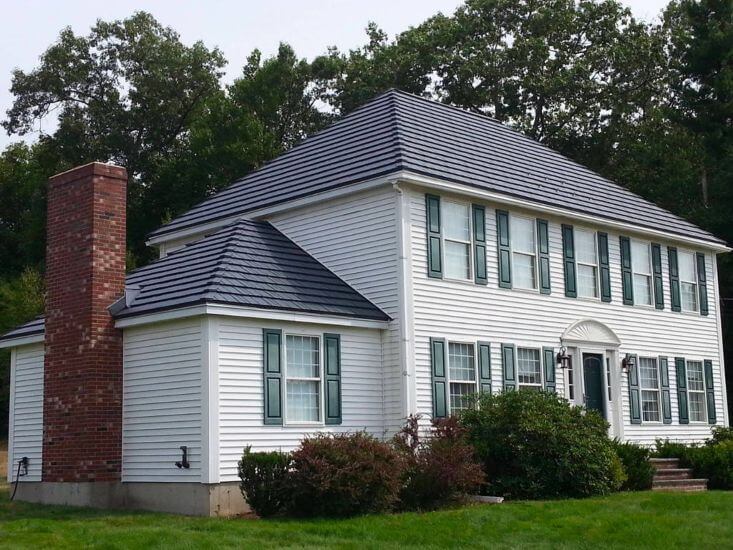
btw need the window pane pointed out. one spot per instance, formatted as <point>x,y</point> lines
<point>585,247</point>
<point>460,393</point>
<point>640,258</point>
<point>528,366</point>
<point>686,262</point>
<point>650,406</point>
<point>303,401</point>
<point>695,380</point>
<point>524,271</point>
<point>457,261</point>
<point>689,296</point>
<point>697,406</point>
<point>648,373</point>
<point>523,235</point>
<point>456,221</point>
<point>302,356</point>
<point>587,281</point>
<point>461,362</point>
<point>642,289</point>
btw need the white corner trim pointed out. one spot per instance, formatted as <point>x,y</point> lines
<point>22,341</point>
<point>434,183</point>
<point>721,357</point>
<point>210,470</point>
<point>11,416</point>
<point>249,313</point>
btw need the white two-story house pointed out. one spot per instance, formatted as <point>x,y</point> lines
<point>408,256</point>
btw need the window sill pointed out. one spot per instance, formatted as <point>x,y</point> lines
<point>304,425</point>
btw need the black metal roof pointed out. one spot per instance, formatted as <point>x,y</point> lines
<point>31,328</point>
<point>398,131</point>
<point>249,264</point>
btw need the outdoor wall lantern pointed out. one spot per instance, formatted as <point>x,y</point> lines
<point>563,359</point>
<point>628,362</point>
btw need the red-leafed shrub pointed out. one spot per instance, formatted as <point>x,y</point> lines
<point>343,475</point>
<point>439,468</point>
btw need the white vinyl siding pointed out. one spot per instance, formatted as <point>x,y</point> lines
<point>461,375</point>
<point>161,408</point>
<point>524,252</point>
<point>688,280</point>
<point>456,221</point>
<point>241,400</point>
<point>649,384</point>
<point>696,391</point>
<point>641,265</point>
<point>461,312</point>
<point>587,262</point>
<point>25,437</point>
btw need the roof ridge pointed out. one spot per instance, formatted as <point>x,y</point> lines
<point>397,121</point>
<point>224,255</point>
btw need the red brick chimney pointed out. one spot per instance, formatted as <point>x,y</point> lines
<point>85,273</point>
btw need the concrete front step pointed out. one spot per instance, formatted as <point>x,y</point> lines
<point>680,485</point>
<point>673,473</point>
<point>665,463</point>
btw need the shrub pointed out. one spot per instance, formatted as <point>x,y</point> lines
<point>536,445</point>
<point>438,469</point>
<point>720,434</point>
<point>637,468</point>
<point>664,448</point>
<point>343,475</point>
<point>263,477</point>
<point>714,463</point>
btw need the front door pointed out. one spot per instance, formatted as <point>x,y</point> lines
<point>593,381</point>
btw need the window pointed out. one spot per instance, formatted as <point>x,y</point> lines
<point>649,382</point>
<point>524,252</point>
<point>688,281</point>
<point>608,378</point>
<point>461,374</point>
<point>587,261</point>
<point>303,378</point>
<point>696,391</point>
<point>571,382</point>
<point>641,265</point>
<point>529,368</point>
<point>457,239</point>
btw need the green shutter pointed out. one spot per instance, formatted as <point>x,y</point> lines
<point>681,376</point>
<point>509,367</point>
<point>664,383</point>
<point>332,372</point>
<point>504,247</point>
<point>627,281</point>
<point>674,278</point>
<point>479,245</point>
<point>702,283</point>
<point>548,355</point>
<point>710,391</point>
<point>634,394</point>
<point>605,267</point>
<point>435,256</point>
<point>439,381</point>
<point>568,252</point>
<point>272,375</point>
<point>484,366</point>
<point>657,276</point>
<point>543,239</point>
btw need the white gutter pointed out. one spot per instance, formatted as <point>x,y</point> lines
<point>22,341</point>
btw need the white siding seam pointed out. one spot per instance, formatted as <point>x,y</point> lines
<point>210,400</point>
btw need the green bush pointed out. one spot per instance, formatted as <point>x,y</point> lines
<point>664,448</point>
<point>439,468</point>
<point>344,475</point>
<point>263,477</point>
<point>637,468</point>
<point>720,434</point>
<point>536,445</point>
<point>714,463</point>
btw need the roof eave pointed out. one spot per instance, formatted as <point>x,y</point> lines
<point>24,340</point>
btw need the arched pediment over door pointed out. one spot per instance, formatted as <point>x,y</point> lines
<point>590,332</point>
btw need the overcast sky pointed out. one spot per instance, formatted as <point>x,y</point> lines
<point>236,26</point>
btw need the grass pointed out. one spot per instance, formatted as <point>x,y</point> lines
<point>654,520</point>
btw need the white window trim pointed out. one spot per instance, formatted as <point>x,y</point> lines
<point>680,252</point>
<point>650,275</point>
<point>535,255</point>
<point>658,390</point>
<point>541,385</point>
<point>703,392</point>
<point>469,242</point>
<point>596,266</point>
<point>321,402</point>
<point>448,379</point>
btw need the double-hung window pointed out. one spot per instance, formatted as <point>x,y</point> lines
<point>688,280</point>
<point>696,391</point>
<point>524,252</point>
<point>457,239</point>
<point>302,378</point>
<point>641,264</point>
<point>461,375</point>
<point>587,260</point>
<point>529,368</point>
<point>650,395</point>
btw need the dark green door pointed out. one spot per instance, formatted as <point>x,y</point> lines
<point>593,376</point>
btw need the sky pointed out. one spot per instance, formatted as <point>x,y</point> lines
<point>27,28</point>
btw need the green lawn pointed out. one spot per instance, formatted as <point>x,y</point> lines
<point>699,520</point>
